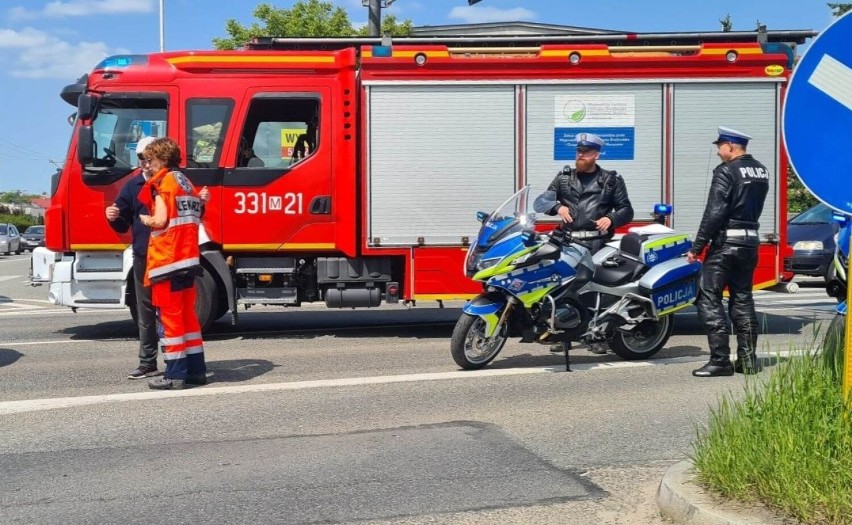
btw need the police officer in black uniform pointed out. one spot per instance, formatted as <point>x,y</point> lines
<point>729,226</point>
<point>593,202</point>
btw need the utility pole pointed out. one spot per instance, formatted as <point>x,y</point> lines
<point>374,19</point>
<point>162,27</point>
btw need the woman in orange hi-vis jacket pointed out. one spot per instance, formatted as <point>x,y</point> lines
<point>173,263</point>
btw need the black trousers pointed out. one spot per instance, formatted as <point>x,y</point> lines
<point>148,338</point>
<point>732,267</point>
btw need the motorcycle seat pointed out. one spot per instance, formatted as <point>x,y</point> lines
<point>631,244</point>
<point>626,271</point>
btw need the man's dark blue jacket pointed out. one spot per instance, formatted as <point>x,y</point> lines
<point>129,208</point>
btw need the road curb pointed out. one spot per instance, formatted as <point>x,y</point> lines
<point>681,500</point>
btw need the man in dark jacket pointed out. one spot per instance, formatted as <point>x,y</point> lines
<point>122,215</point>
<point>729,226</point>
<point>593,202</point>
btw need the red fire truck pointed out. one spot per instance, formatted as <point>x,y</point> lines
<point>350,171</point>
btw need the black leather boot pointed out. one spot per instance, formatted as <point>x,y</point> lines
<point>720,358</point>
<point>747,360</point>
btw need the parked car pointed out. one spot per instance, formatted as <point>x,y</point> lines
<point>10,239</point>
<point>33,237</point>
<point>811,234</point>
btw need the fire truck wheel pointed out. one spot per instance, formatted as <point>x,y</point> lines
<point>205,304</point>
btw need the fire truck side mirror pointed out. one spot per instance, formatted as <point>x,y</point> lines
<point>85,145</point>
<point>86,107</point>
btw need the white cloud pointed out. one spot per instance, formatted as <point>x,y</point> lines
<point>483,14</point>
<point>36,54</point>
<point>58,8</point>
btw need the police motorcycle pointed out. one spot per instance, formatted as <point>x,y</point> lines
<point>835,335</point>
<point>546,289</point>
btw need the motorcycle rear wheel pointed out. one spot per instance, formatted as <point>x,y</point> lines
<point>644,341</point>
<point>470,348</point>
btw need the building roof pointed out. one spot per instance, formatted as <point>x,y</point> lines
<point>41,202</point>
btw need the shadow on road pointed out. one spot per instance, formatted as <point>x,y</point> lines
<point>9,356</point>
<point>236,370</point>
<point>426,323</point>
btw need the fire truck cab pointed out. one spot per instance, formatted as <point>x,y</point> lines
<point>350,172</point>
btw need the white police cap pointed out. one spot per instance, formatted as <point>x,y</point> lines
<point>589,140</point>
<point>731,135</point>
<point>143,143</point>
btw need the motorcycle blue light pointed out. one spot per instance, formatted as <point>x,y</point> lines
<point>663,209</point>
<point>840,219</point>
<point>528,236</point>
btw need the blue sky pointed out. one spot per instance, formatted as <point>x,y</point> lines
<point>45,45</point>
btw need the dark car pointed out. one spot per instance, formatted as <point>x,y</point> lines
<point>811,234</point>
<point>33,237</point>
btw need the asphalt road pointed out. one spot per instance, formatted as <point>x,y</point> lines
<point>318,416</point>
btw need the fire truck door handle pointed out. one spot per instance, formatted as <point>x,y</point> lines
<point>320,205</point>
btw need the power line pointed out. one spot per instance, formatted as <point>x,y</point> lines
<point>22,149</point>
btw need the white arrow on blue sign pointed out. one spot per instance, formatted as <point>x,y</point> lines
<point>818,116</point>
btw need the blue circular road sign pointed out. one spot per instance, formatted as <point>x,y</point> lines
<point>818,116</point>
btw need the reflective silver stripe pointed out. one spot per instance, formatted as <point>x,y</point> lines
<point>741,233</point>
<point>192,336</point>
<point>195,350</point>
<point>169,268</point>
<point>178,221</point>
<point>172,356</point>
<point>170,341</point>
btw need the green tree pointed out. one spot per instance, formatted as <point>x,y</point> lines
<point>16,197</point>
<point>391,26</point>
<point>727,23</point>
<point>307,18</point>
<point>799,198</point>
<point>839,9</point>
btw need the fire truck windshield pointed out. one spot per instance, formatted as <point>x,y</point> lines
<point>118,125</point>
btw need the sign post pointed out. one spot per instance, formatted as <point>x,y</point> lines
<point>818,131</point>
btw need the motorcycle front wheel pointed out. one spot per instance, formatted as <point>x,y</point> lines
<point>643,341</point>
<point>470,348</point>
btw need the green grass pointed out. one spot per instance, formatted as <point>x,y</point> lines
<point>786,442</point>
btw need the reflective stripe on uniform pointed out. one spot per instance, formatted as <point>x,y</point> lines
<point>174,223</point>
<point>173,356</point>
<point>169,268</point>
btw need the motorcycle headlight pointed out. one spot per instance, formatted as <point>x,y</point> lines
<point>808,245</point>
<point>487,263</point>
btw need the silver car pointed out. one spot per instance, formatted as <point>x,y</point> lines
<point>10,239</point>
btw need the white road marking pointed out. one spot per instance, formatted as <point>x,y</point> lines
<point>35,405</point>
<point>833,78</point>
<point>8,277</point>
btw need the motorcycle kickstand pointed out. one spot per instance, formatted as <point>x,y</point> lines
<point>567,346</point>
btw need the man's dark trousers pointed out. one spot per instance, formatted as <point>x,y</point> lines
<point>148,338</point>
<point>731,266</point>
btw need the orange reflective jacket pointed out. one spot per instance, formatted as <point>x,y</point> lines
<point>173,249</point>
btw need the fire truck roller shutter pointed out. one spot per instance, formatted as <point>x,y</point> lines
<point>629,117</point>
<point>437,154</point>
<point>698,110</point>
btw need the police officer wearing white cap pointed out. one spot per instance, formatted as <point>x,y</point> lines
<point>730,228</point>
<point>593,202</point>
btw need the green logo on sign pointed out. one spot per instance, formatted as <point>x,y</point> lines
<point>575,111</point>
